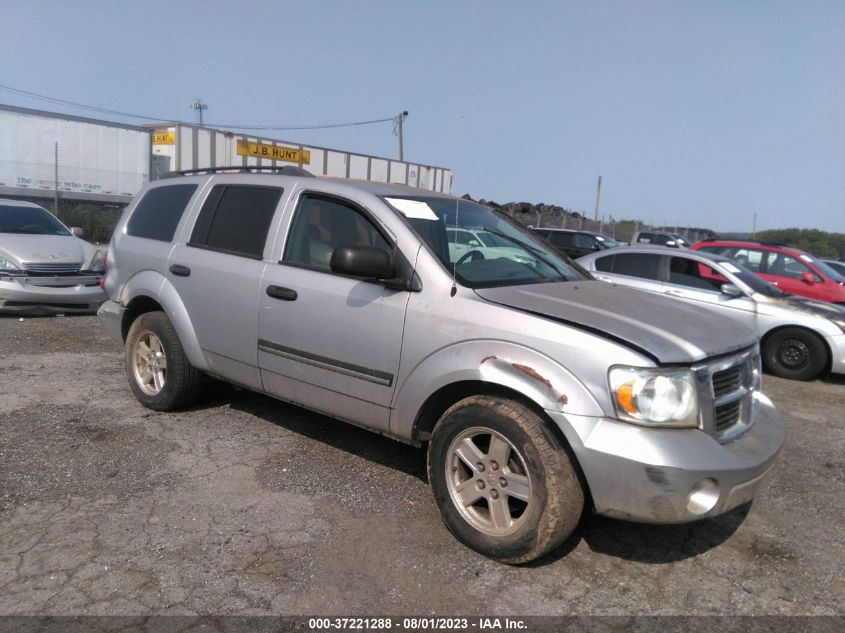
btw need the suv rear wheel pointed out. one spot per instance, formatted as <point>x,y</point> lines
<point>159,373</point>
<point>794,353</point>
<point>503,483</point>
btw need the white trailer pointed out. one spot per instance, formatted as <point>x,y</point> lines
<point>94,160</point>
<point>178,147</point>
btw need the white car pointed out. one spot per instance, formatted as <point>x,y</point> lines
<point>45,268</point>
<point>799,337</point>
<point>478,243</point>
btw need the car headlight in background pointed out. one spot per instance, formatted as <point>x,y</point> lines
<point>655,397</point>
<point>95,265</point>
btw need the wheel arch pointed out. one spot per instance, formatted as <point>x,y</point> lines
<point>150,291</point>
<point>442,399</point>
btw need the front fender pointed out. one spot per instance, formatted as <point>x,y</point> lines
<point>156,286</point>
<point>540,378</point>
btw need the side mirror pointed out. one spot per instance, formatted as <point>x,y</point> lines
<point>731,290</point>
<point>362,261</point>
<point>808,278</point>
<point>75,230</point>
<point>474,243</point>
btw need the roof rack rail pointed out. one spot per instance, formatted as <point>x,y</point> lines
<point>284,170</point>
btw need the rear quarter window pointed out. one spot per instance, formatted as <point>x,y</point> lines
<point>235,219</point>
<point>158,213</point>
<point>642,265</point>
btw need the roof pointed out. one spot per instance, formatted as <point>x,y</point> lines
<point>661,250</point>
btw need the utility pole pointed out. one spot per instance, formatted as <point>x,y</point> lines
<point>400,119</point>
<point>598,199</point>
<point>754,228</point>
<point>56,181</point>
<point>198,105</point>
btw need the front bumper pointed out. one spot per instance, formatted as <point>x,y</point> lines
<point>50,295</point>
<point>649,474</point>
<point>837,353</point>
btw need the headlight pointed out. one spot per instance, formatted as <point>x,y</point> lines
<point>96,263</point>
<point>654,397</point>
<point>7,264</point>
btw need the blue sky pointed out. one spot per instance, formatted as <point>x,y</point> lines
<point>693,113</point>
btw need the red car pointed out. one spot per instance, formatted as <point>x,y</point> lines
<point>790,269</point>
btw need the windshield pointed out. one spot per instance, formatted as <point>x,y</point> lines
<point>757,284</point>
<point>528,259</point>
<point>30,221</point>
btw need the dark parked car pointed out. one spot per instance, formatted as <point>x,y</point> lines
<point>576,243</point>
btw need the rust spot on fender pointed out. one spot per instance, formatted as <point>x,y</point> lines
<point>486,358</point>
<point>563,399</point>
<point>532,373</point>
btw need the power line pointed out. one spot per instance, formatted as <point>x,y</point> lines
<point>73,104</point>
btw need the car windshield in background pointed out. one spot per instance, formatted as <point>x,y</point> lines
<point>526,259</point>
<point>29,221</point>
<point>828,270</point>
<point>607,242</point>
<point>751,280</point>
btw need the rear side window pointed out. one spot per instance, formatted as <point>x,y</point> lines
<point>561,239</point>
<point>585,241</point>
<point>643,265</point>
<point>235,219</point>
<point>159,211</point>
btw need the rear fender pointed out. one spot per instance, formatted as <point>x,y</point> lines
<point>156,286</point>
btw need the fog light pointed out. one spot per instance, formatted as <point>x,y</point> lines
<point>703,496</point>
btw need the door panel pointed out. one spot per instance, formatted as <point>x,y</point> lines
<point>334,348</point>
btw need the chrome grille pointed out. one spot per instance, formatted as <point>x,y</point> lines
<point>52,267</point>
<point>729,393</point>
<point>727,415</point>
<point>727,381</point>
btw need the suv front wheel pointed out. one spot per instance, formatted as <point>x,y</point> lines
<point>159,373</point>
<point>503,483</point>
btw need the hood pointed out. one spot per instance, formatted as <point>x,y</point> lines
<point>811,306</point>
<point>54,249</point>
<point>665,329</point>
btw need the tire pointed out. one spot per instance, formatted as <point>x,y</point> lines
<point>159,373</point>
<point>795,353</point>
<point>512,509</point>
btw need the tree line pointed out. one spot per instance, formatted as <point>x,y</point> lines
<point>820,243</point>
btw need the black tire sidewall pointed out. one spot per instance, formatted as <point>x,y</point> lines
<point>177,390</point>
<point>522,545</point>
<point>817,349</point>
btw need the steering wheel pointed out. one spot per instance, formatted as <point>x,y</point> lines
<point>469,255</point>
<point>30,228</point>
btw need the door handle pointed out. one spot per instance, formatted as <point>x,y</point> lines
<point>278,292</point>
<point>181,271</point>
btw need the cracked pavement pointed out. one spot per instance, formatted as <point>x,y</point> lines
<point>245,505</point>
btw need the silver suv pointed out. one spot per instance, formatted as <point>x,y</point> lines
<point>538,391</point>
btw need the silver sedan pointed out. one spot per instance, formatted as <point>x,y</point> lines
<point>799,337</point>
<point>44,267</point>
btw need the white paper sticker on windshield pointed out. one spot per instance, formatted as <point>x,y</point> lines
<point>413,208</point>
<point>730,268</point>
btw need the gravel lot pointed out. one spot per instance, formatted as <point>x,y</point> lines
<point>244,505</point>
